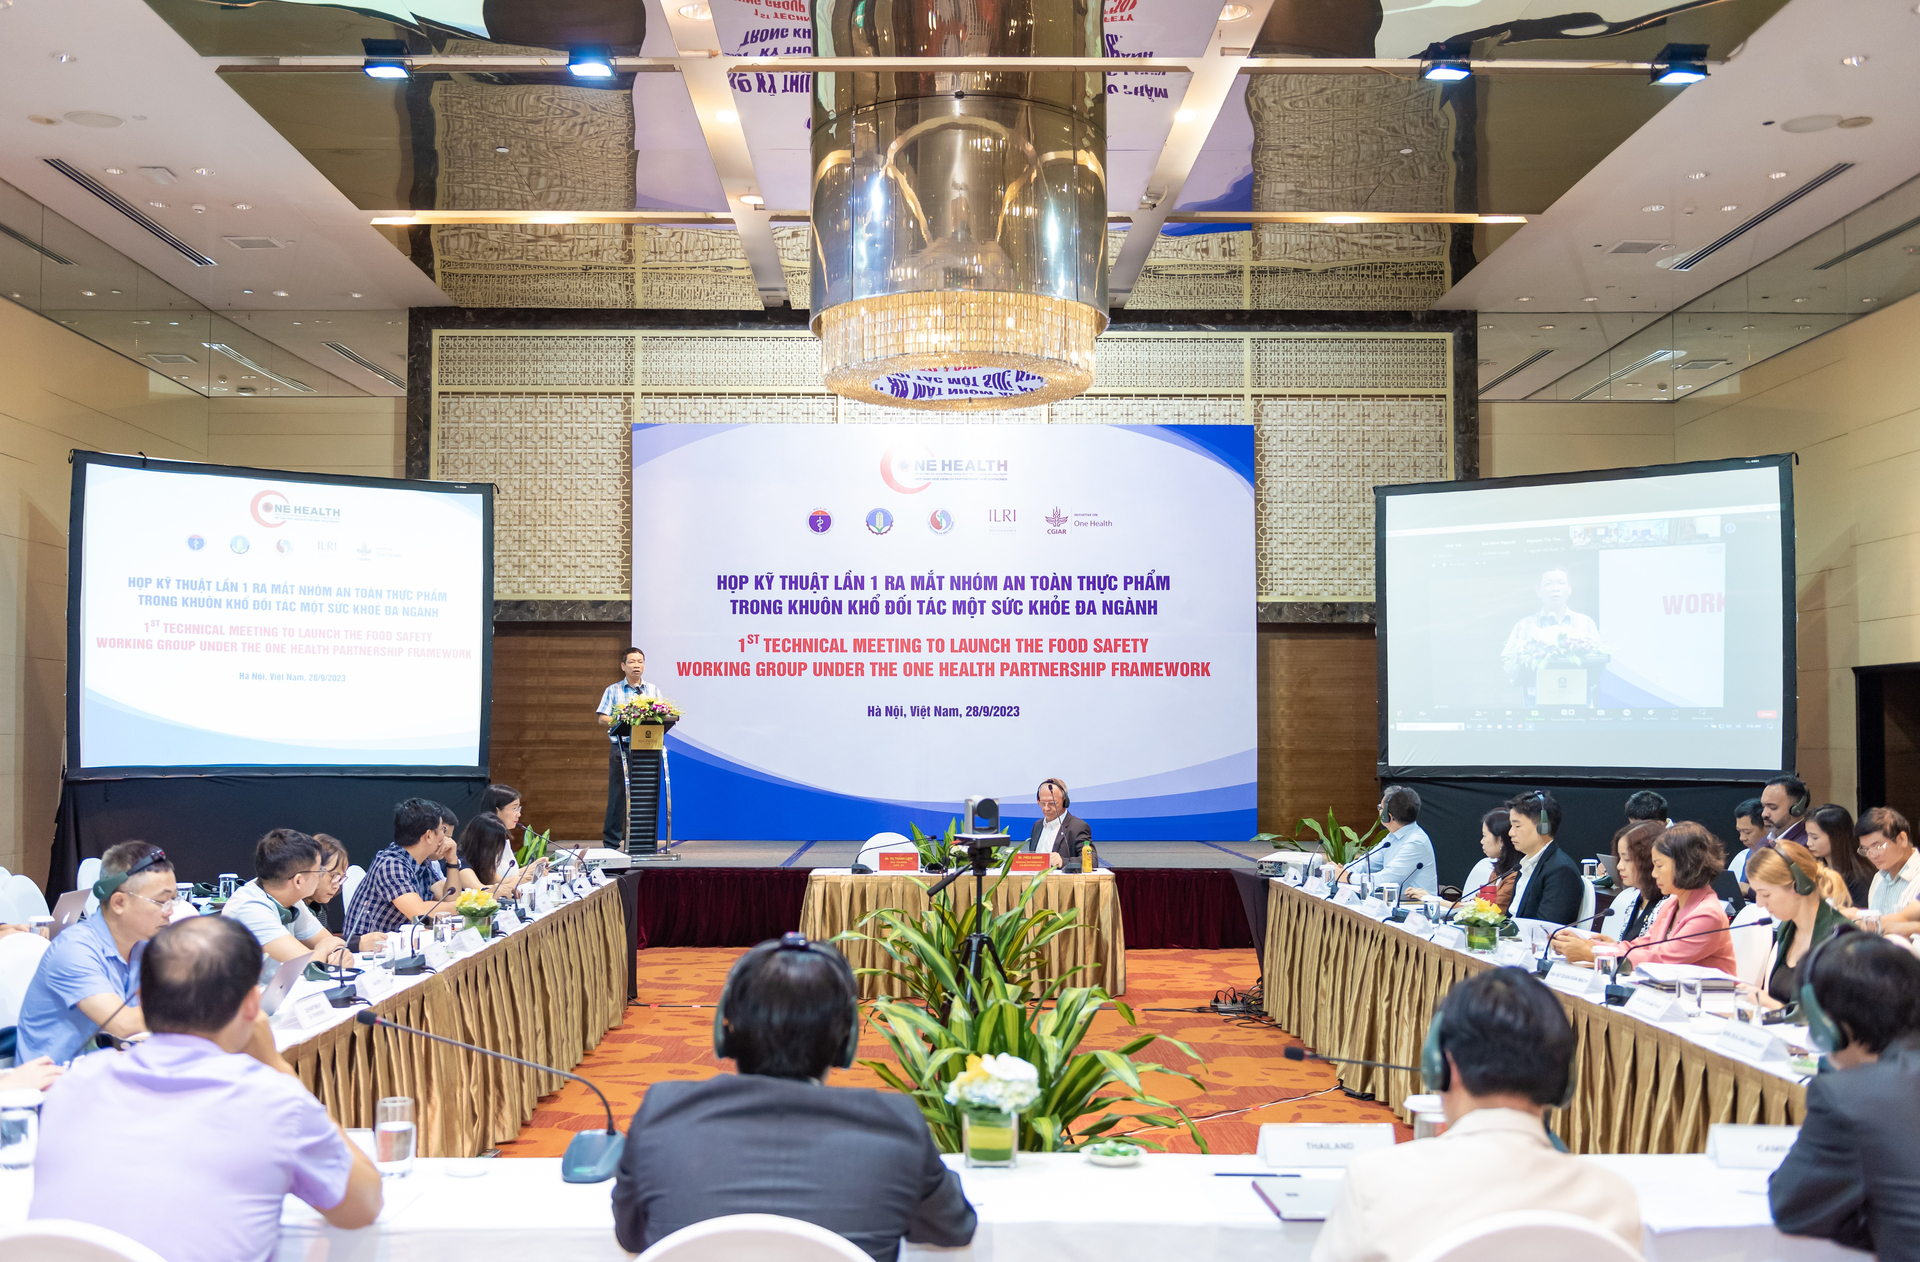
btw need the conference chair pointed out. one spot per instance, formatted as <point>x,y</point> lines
<point>1527,1235</point>
<point>1589,902</point>
<point>21,900</point>
<point>355,875</point>
<point>754,1238</point>
<point>884,843</point>
<point>83,879</point>
<point>1752,944</point>
<point>19,959</point>
<point>62,1240</point>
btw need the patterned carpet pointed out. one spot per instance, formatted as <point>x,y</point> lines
<point>1248,1081</point>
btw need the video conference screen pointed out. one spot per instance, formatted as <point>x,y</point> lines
<point>238,618</point>
<point>1632,620</point>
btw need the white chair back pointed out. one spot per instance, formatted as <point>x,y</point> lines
<point>1751,944</point>
<point>1528,1236</point>
<point>355,875</point>
<point>1589,900</point>
<point>83,879</point>
<point>23,899</point>
<point>885,843</point>
<point>19,959</point>
<point>62,1240</point>
<point>754,1238</point>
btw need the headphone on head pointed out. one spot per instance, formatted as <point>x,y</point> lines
<point>1822,1030</point>
<point>104,887</point>
<point>722,1046</point>
<point>1800,805</point>
<point>1436,1075</point>
<point>1802,883</point>
<point>1065,799</point>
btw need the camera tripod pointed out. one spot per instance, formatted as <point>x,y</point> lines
<point>976,946</point>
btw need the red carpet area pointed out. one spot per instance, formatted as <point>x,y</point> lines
<point>669,1035</point>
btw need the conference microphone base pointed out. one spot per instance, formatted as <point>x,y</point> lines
<point>1617,996</point>
<point>410,965</point>
<point>592,1157</point>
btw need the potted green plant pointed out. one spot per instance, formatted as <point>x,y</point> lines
<point>1337,841</point>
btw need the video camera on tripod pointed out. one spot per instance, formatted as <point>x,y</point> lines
<point>982,838</point>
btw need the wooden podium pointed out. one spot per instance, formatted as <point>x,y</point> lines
<point>643,748</point>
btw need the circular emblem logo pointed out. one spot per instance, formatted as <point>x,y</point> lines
<point>941,522</point>
<point>239,543</point>
<point>262,507</point>
<point>879,521</point>
<point>285,545</point>
<point>195,543</point>
<point>819,521</point>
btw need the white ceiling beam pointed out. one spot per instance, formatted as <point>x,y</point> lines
<point>719,113</point>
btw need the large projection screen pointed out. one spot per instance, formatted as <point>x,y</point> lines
<point>1630,622</point>
<point>256,621</point>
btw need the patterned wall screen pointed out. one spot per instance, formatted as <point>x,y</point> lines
<point>546,417</point>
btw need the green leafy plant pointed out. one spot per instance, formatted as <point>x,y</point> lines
<point>935,852</point>
<point>1280,842</point>
<point>925,950</point>
<point>933,1052</point>
<point>1339,842</point>
<point>534,847</point>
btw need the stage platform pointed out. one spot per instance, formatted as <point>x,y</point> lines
<point>839,854</point>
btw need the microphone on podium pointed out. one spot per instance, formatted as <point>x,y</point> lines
<point>591,1156</point>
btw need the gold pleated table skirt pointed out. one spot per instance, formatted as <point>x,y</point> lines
<point>836,901</point>
<point>547,993</point>
<point>1348,986</point>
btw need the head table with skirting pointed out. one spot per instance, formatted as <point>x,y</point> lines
<point>1053,1207</point>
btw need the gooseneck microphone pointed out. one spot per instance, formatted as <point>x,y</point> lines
<point>1698,933</point>
<point>1544,965</point>
<point>1301,1053</point>
<point>591,1156</point>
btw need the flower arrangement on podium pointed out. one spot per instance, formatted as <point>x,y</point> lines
<point>477,908</point>
<point>1483,922</point>
<point>991,1093</point>
<point>641,711</point>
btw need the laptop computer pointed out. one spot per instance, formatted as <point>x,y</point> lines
<point>283,981</point>
<point>68,910</point>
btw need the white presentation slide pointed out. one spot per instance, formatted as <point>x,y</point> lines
<point>231,619</point>
<point>1625,622</point>
<point>867,624</point>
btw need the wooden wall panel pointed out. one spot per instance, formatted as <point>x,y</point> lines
<point>547,679</point>
<point>1319,716</point>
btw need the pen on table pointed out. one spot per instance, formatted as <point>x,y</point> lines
<point>1268,1199</point>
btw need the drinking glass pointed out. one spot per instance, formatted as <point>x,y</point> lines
<point>1590,868</point>
<point>1746,1007</point>
<point>444,927</point>
<point>1690,996</point>
<point>19,1128</point>
<point>1390,894</point>
<point>393,1136</point>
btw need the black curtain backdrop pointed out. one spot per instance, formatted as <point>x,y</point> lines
<point>1591,812</point>
<point>209,824</point>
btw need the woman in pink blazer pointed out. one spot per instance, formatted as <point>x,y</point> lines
<point>1686,858</point>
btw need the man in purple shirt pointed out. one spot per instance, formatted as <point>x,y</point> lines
<point>190,1142</point>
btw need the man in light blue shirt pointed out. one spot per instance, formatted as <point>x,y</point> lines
<point>1404,856</point>
<point>87,978</point>
<point>633,667</point>
<point>273,906</point>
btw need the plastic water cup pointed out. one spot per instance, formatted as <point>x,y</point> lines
<point>1389,894</point>
<point>1690,995</point>
<point>19,1128</point>
<point>393,1135</point>
<point>229,882</point>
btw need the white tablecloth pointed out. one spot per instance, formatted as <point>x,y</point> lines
<point>1051,1208</point>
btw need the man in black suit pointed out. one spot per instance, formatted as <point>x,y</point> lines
<point>1059,832</point>
<point>774,1138</point>
<point>1850,1176</point>
<point>1549,888</point>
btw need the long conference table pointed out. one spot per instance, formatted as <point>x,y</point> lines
<point>1052,1207</point>
<point>545,993</point>
<point>1350,986</point>
<point>836,900</point>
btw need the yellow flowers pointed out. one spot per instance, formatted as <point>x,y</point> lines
<point>474,904</point>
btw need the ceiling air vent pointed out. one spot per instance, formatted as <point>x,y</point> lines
<point>1645,361</point>
<point>120,204</point>
<point>1837,259</point>
<point>171,357</point>
<point>252,243</point>
<point>1695,365</point>
<point>1518,368</point>
<point>36,247</point>
<point>1636,247</point>
<point>1687,262</point>
<point>364,362</point>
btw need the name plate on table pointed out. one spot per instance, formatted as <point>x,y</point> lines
<point>1753,1042</point>
<point>898,862</point>
<point>1734,1147</point>
<point>437,955</point>
<point>311,1012</point>
<point>1032,862</point>
<point>1347,897</point>
<point>508,922</point>
<point>1321,1144</point>
<point>374,984</point>
<point>1571,979</point>
<point>1653,1005</point>
<point>1373,909</point>
<point>1316,887</point>
<point>1512,953</point>
<point>466,942</point>
<point>1452,937</point>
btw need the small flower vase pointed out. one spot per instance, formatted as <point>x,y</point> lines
<point>989,1137</point>
<point>483,925</point>
<point>1482,937</point>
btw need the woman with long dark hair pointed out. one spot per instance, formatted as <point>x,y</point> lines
<point>1830,838</point>
<point>1633,861</point>
<point>1493,878</point>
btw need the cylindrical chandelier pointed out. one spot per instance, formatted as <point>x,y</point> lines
<point>959,219</point>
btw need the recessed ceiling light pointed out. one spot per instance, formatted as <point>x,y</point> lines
<point>726,116</point>
<point>1523,300</point>
<point>355,295</point>
<point>1484,326</point>
<point>1697,175</point>
<point>143,322</point>
<point>113,291</point>
<point>64,59</point>
<point>296,322</point>
<point>1866,300</point>
<point>1730,207</point>
<point>1858,59</point>
<point>1803,326</point>
<point>1654,207</point>
<point>279,293</point>
<point>696,12</point>
<point>116,170</point>
<point>1776,175</point>
<point>1546,326</point>
<point>198,209</point>
<point>501,149</point>
<point>1749,326</point>
<point>1234,12</point>
<point>1185,116</point>
<point>246,291</point>
<point>86,293</point>
<point>203,170</point>
<point>242,206</point>
<point>1799,299</point>
<point>158,205</point>
<point>1589,300</point>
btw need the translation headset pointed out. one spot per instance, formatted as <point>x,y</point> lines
<point>1066,800</point>
<point>1437,1075</point>
<point>1802,883</point>
<point>104,887</point>
<point>722,1046</point>
<point>1822,1030</point>
<point>1800,805</point>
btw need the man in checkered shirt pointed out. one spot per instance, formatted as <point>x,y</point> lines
<point>395,889</point>
<point>633,664</point>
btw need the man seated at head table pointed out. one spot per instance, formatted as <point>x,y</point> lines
<point>1507,1048</point>
<point>86,981</point>
<point>190,1142</point>
<point>1850,1174</point>
<point>1404,857</point>
<point>774,1138</point>
<point>397,887</point>
<point>288,868</point>
<point>1059,832</point>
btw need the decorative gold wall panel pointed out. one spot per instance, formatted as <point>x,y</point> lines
<point>546,417</point>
